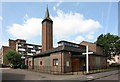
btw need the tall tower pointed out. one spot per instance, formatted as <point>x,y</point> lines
<point>47,32</point>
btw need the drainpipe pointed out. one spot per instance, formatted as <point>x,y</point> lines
<point>61,61</point>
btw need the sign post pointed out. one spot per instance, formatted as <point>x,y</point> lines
<point>87,68</point>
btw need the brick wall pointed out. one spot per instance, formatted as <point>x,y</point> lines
<point>64,58</point>
<point>47,36</point>
<point>93,47</point>
<point>30,63</point>
<point>67,58</point>
<point>92,62</point>
<point>103,62</point>
<point>3,50</point>
<point>97,62</point>
<point>12,44</point>
<point>60,62</point>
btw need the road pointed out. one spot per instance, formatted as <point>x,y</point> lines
<point>18,74</point>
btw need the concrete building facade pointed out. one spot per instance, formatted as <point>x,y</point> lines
<point>20,46</point>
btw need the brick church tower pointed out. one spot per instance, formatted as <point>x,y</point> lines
<point>47,32</point>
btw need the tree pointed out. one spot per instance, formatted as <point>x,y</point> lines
<point>111,44</point>
<point>12,57</point>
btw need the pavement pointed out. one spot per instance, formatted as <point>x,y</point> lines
<point>99,76</point>
<point>20,74</point>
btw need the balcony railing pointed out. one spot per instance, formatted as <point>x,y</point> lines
<point>33,50</point>
<point>21,49</point>
<point>29,46</point>
<point>29,54</point>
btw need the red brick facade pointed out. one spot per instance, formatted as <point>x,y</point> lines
<point>47,32</point>
<point>47,36</point>
<point>3,51</point>
<point>93,47</point>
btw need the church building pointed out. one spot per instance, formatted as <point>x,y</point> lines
<point>67,56</point>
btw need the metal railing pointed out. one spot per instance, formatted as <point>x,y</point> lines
<point>70,70</point>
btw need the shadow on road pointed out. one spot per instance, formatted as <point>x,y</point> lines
<point>12,76</point>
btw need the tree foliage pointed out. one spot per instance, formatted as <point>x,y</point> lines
<point>12,57</point>
<point>110,42</point>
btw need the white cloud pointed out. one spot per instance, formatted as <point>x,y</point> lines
<point>28,30</point>
<point>0,18</point>
<point>69,24</point>
<point>3,44</point>
<point>57,5</point>
<point>26,17</point>
<point>89,36</point>
<point>65,25</point>
<point>78,39</point>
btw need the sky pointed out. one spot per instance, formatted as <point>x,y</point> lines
<point>72,21</point>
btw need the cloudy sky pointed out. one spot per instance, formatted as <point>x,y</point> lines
<point>72,21</point>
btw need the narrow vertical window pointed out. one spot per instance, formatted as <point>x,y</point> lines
<point>55,62</point>
<point>40,62</point>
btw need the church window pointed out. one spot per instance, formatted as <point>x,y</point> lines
<point>40,62</point>
<point>67,63</point>
<point>55,62</point>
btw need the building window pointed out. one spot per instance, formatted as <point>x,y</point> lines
<point>11,41</point>
<point>40,62</point>
<point>55,62</point>
<point>67,63</point>
<point>29,63</point>
<point>11,45</point>
<point>118,58</point>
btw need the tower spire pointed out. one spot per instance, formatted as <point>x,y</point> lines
<point>47,16</point>
<point>47,12</point>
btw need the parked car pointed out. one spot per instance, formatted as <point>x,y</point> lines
<point>15,66</point>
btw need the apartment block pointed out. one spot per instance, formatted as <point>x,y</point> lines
<point>20,46</point>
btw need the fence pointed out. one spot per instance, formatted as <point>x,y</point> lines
<point>66,70</point>
<point>51,69</point>
<point>97,69</point>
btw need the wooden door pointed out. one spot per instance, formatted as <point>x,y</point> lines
<point>75,65</point>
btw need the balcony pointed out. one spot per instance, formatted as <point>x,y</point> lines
<point>21,49</point>
<point>33,50</point>
<point>29,54</point>
<point>39,47</point>
<point>29,46</point>
<point>37,52</point>
<point>19,45</point>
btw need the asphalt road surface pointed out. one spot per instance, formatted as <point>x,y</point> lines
<point>18,74</point>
